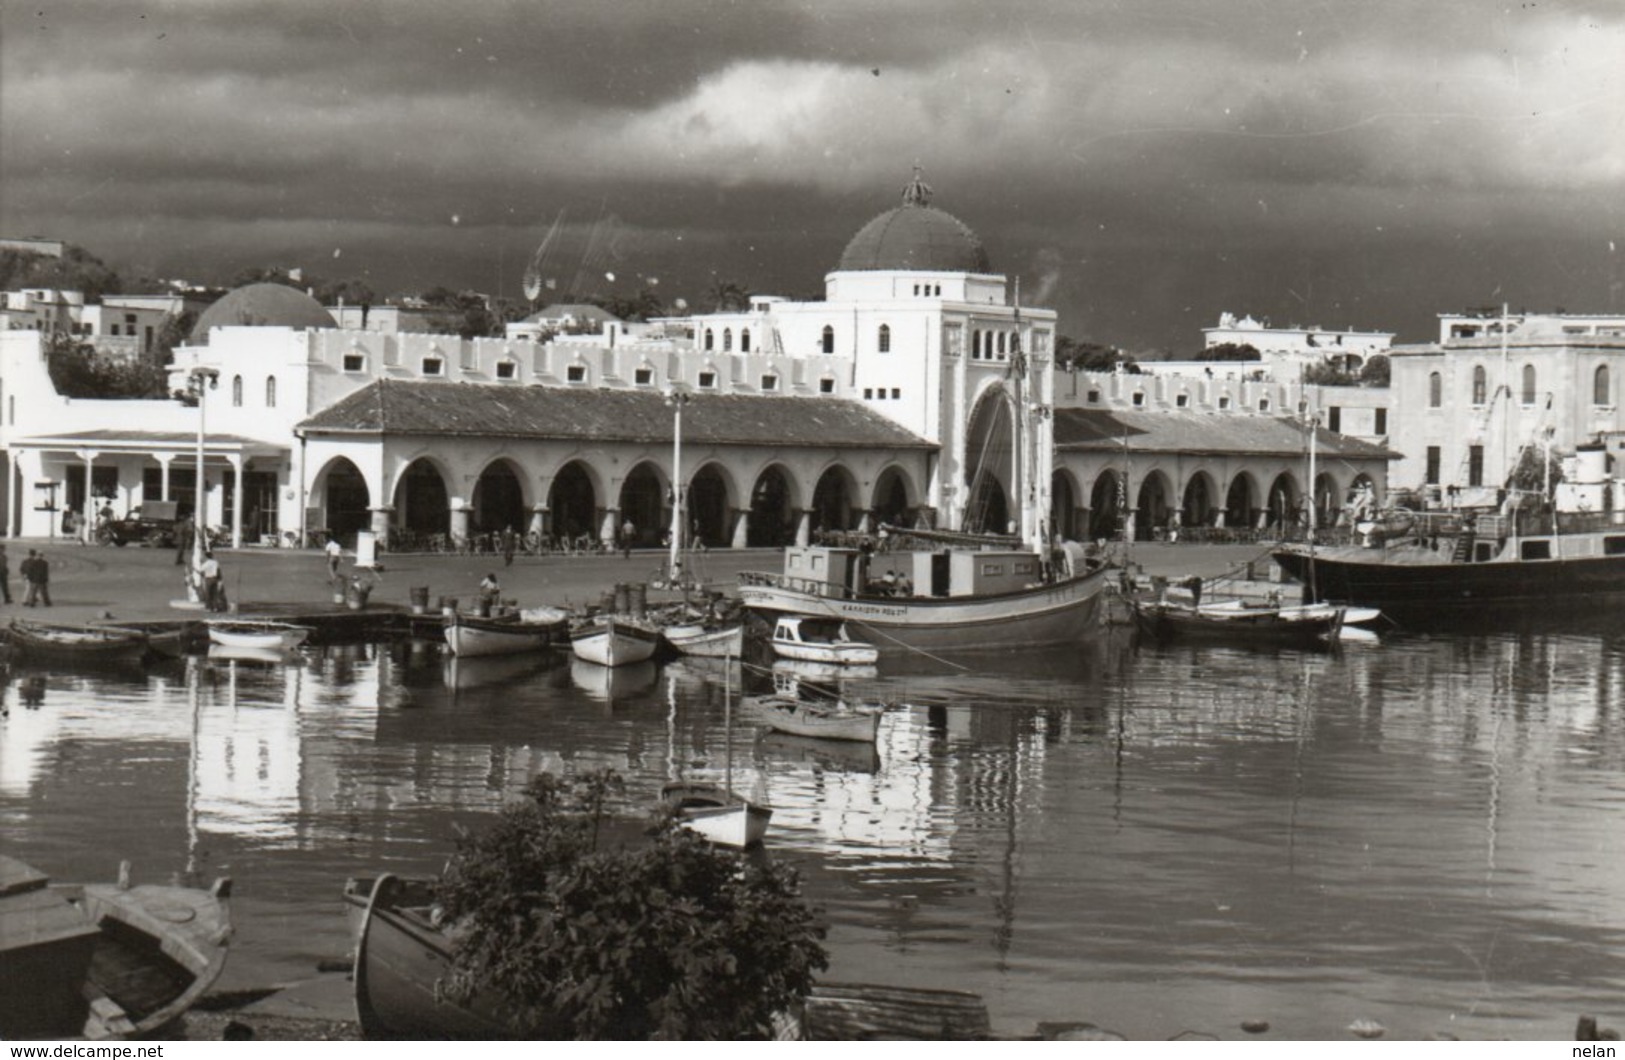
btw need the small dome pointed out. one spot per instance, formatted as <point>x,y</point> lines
<point>915,237</point>
<point>262,305</point>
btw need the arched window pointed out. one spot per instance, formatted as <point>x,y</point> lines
<point>1001,344</point>
<point>1528,384</point>
<point>727,340</point>
<point>829,339</point>
<point>270,391</point>
<point>236,391</point>
<point>885,338</point>
<point>1480,384</point>
<point>744,340</point>
<point>1599,386</point>
<point>1435,390</point>
<point>710,339</point>
<point>976,344</point>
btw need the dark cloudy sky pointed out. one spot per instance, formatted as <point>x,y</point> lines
<point>1141,164</point>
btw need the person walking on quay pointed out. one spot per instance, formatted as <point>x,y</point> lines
<point>335,553</point>
<point>5,573</point>
<point>627,532</point>
<point>36,571</point>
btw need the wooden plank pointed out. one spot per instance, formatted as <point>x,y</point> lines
<point>17,877</point>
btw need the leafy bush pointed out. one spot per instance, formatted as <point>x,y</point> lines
<point>670,940</point>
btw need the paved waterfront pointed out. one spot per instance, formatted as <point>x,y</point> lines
<point>137,584</point>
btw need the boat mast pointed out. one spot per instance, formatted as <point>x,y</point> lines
<point>677,396</point>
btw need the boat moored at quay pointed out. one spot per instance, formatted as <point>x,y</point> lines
<point>1493,568</point>
<point>960,599</point>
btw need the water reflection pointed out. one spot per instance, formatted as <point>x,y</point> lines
<point>1421,833</point>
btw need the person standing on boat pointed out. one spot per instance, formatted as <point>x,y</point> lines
<point>490,591</point>
<point>209,575</point>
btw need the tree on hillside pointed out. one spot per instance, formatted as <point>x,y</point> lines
<point>78,371</point>
<point>1229,351</point>
<point>469,313</point>
<point>1084,356</point>
<point>726,296</point>
<point>672,939</point>
<point>1376,371</point>
<point>76,270</point>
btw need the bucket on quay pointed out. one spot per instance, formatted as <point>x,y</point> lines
<point>623,598</point>
<point>448,606</point>
<point>420,599</point>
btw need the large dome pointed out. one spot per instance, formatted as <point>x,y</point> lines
<point>915,237</point>
<point>264,305</point>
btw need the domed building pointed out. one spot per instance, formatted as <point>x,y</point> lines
<point>267,305</point>
<point>915,236</point>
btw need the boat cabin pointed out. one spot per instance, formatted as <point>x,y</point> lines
<point>794,629</point>
<point>848,572</point>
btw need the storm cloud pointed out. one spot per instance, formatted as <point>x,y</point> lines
<point>1144,165</point>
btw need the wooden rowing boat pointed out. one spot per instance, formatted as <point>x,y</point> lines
<point>717,814</point>
<point>256,633</point>
<point>469,637</point>
<point>49,642</point>
<point>1249,626</point>
<point>820,641</point>
<point>832,719</point>
<point>613,641</point>
<point>725,642</point>
<point>104,960</point>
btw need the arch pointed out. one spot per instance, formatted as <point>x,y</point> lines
<point>883,339</point>
<point>270,391</point>
<point>1151,505</point>
<point>1199,504</point>
<point>835,500</point>
<point>1063,506</point>
<point>710,339</point>
<point>891,501</point>
<point>422,504</point>
<point>236,391</point>
<point>1362,498</point>
<point>827,341</point>
<point>499,498</point>
<point>708,506</point>
<point>1106,504</point>
<point>744,340</point>
<point>1328,500</point>
<point>1241,502</point>
<point>1435,390</point>
<point>1528,396</point>
<point>727,340</point>
<point>1480,385</point>
<point>1601,391</point>
<point>990,461</point>
<point>644,501</point>
<point>572,502</point>
<point>772,509</point>
<point>976,344</point>
<point>1284,507</point>
<point>342,495</point>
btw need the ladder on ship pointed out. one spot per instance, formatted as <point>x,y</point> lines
<point>1461,551</point>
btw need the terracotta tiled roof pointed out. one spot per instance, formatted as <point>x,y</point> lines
<point>1203,434</point>
<point>391,406</point>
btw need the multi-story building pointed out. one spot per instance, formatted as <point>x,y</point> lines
<point>1467,407</point>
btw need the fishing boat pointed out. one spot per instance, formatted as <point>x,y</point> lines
<point>1493,568</point>
<point>403,954</point>
<point>832,719</point>
<point>80,645</point>
<point>530,631</point>
<point>1164,621</point>
<point>614,640</point>
<point>169,640</point>
<point>820,641</point>
<point>1352,616</point>
<point>710,641</point>
<point>104,961</point>
<point>256,633</point>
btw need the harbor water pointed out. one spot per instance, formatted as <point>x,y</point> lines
<point>1423,832</point>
